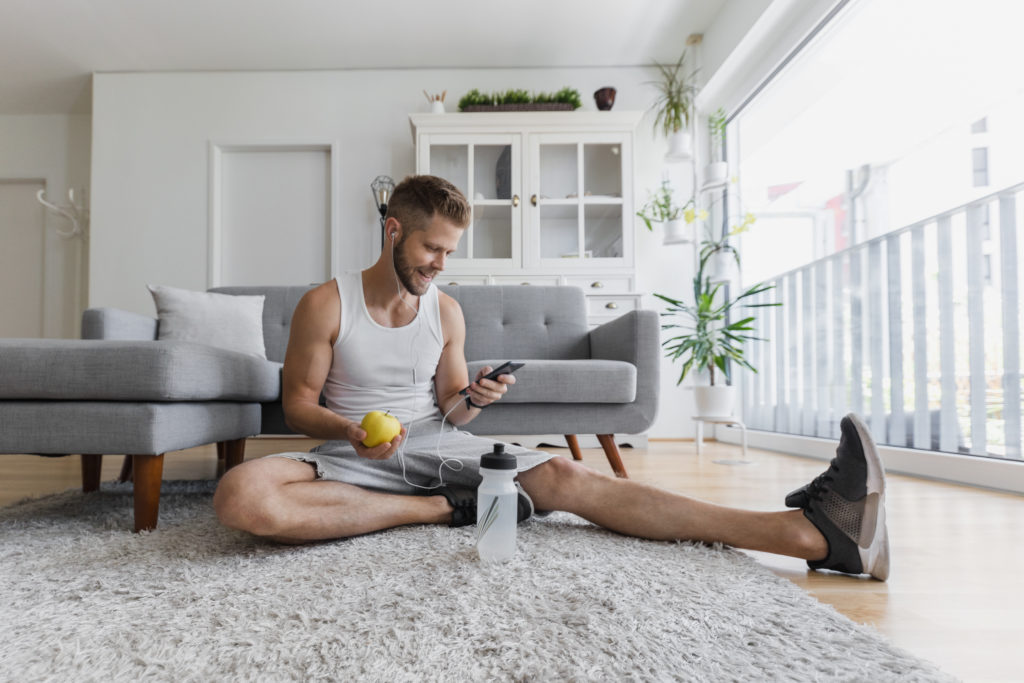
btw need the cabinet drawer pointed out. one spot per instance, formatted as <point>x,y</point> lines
<point>598,284</point>
<point>462,279</point>
<point>524,279</point>
<point>611,305</point>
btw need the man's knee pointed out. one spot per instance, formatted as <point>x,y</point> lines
<point>554,481</point>
<point>244,499</point>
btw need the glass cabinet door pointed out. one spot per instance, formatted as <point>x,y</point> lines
<point>578,191</point>
<point>486,170</point>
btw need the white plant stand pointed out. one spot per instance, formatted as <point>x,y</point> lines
<point>726,420</point>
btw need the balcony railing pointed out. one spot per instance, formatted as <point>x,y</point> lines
<point>918,330</point>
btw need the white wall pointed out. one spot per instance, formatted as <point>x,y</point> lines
<point>54,148</point>
<point>150,161</point>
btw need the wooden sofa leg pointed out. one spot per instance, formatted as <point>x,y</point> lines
<point>574,446</point>
<point>612,451</point>
<point>234,452</point>
<point>221,448</point>
<point>148,471</point>
<point>126,470</point>
<point>92,465</point>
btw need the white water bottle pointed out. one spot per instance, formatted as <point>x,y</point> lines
<point>497,503</point>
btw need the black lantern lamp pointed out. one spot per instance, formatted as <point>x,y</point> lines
<point>382,187</point>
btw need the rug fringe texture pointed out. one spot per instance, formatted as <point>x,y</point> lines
<point>85,599</point>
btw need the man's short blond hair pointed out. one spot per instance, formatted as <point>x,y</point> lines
<point>418,198</point>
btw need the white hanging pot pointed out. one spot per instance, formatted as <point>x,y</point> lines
<point>716,172</point>
<point>721,267</point>
<point>680,147</point>
<point>715,400</point>
<point>677,232</point>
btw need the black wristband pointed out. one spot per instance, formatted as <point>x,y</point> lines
<point>470,404</point>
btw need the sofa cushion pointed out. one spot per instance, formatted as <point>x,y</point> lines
<point>567,381</point>
<point>65,369</point>
<point>228,322</point>
<point>278,307</point>
<point>121,427</point>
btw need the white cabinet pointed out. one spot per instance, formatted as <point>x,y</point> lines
<point>552,197</point>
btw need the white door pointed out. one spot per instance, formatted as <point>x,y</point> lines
<point>22,235</point>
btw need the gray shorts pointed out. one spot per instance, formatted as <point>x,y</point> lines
<point>458,465</point>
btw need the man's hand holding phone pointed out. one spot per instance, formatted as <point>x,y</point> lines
<point>491,384</point>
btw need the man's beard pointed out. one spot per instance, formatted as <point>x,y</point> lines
<point>407,275</point>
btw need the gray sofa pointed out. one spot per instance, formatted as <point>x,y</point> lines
<point>118,391</point>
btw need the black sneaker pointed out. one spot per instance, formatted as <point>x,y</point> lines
<point>463,502</point>
<point>847,505</point>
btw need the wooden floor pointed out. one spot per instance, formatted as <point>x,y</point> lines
<point>956,594</point>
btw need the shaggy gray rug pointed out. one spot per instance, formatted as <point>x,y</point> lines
<point>82,598</point>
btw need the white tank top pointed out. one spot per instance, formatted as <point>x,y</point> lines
<point>384,368</point>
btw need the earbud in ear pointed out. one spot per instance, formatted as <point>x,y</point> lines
<point>392,237</point>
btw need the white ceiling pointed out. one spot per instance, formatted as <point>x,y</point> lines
<point>48,48</point>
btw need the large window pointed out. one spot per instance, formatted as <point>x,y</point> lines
<point>885,165</point>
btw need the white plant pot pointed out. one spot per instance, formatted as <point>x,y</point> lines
<point>680,147</point>
<point>716,172</point>
<point>721,267</point>
<point>715,401</point>
<point>677,232</point>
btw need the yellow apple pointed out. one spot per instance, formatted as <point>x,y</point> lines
<point>380,428</point>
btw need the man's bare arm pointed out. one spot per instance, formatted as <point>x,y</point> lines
<point>306,366</point>
<point>451,376</point>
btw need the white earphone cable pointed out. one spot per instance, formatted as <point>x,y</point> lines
<point>444,462</point>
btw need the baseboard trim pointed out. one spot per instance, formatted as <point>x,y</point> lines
<point>978,471</point>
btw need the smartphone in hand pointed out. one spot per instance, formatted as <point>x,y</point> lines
<point>506,368</point>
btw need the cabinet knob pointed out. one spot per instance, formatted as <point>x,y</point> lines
<point>612,305</point>
<point>597,285</point>
<point>533,200</point>
<point>515,200</point>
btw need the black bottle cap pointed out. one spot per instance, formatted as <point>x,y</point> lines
<point>498,459</point>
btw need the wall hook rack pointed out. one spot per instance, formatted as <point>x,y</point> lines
<point>76,212</point>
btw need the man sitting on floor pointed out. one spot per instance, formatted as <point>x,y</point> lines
<point>386,338</point>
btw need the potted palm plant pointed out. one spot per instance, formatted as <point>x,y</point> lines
<point>676,91</point>
<point>709,340</point>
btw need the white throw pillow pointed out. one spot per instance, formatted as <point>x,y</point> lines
<point>223,320</point>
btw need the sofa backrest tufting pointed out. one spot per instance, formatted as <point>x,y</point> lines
<point>512,321</point>
<point>517,321</point>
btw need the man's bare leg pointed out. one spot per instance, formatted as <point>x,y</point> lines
<point>280,499</point>
<point>636,509</point>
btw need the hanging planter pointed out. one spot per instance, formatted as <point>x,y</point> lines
<point>680,146</point>
<point>676,91</point>
<point>677,231</point>
<point>716,173</point>
<point>722,266</point>
<point>717,400</point>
